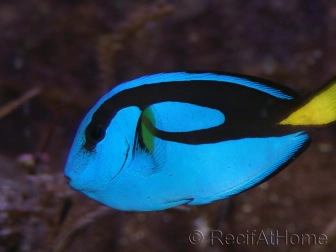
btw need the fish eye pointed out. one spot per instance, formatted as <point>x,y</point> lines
<point>95,133</point>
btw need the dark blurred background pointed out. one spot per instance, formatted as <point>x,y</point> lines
<point>58,57</point>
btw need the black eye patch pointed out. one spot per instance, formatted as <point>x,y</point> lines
<point>94,134</point>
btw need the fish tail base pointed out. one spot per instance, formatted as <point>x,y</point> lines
<point>319,110</point>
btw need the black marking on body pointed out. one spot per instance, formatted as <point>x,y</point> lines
<point>248,112</point>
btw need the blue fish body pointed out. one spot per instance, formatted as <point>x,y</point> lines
<point>168,139</point>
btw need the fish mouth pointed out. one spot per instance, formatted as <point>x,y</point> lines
<point>68,179</point>
<point>74,178</point>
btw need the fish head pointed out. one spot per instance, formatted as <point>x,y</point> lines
<point>99,153</point>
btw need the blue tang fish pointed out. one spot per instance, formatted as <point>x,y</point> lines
<point>168,139</point>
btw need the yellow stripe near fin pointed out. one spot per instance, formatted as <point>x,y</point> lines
<point>148,119</point>
<point>319,110</point>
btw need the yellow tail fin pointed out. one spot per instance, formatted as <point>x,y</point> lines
<point>319,110</point>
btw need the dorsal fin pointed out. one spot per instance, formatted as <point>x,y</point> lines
<point>260,84</point>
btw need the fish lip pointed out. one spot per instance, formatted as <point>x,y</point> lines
<point>73,178</point>
<point>68,179</point>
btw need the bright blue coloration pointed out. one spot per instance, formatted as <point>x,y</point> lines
<point>182,76</point>
<point>189,117</point>
<point>120,173</point>
<point>195,174</point>
<point>90,171</point>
